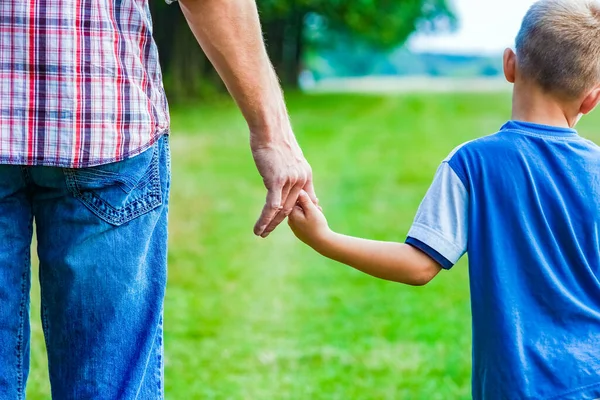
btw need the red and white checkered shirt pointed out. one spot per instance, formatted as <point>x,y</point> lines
<point>80,82</point>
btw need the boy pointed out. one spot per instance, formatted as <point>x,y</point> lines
<point>525,204</point>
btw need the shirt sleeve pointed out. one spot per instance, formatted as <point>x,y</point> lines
<point>170,1</point>
<point>440,228</point>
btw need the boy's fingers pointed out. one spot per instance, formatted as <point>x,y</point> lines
<point>296,215</point>
<point>305,202</point>
<point>296,212</point>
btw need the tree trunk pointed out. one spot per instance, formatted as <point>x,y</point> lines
<point>285,44</point>
<point>191,76</point>
<point>293,49</point>
<point>274,32</point>
<point>188,74</point>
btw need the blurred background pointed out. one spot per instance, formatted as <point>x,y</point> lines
<point>327,45</point>
<point>379,92</point>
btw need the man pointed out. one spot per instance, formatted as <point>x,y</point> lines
<point>84,152</point>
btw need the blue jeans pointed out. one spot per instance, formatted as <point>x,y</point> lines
<point>102,245</point>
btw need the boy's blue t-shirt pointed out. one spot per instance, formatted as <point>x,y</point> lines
<point>525,204</point>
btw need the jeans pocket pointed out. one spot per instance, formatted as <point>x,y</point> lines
<point>121,191</point>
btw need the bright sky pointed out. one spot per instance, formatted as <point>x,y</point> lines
<point>484,26</point>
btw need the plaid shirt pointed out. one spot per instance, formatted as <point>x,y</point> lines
<point>80,82</point>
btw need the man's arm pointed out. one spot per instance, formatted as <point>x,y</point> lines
<point>396,262</point>
<point>230,35</point>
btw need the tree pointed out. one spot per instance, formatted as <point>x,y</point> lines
<point>292,25</point>
<point>289,27</point>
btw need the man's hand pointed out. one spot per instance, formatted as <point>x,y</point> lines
<point>229,33</point>
<point>285,173</point>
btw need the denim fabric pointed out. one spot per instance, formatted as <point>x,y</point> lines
<point>102,245</point>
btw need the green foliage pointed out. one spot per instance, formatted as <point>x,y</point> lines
<point>291,28</point>
<point>384,24</point>
<point>380,22</point>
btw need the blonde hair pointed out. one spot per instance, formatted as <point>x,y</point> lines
<point>558,46</point>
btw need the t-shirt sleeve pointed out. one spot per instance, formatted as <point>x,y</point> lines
<point>440,228</point>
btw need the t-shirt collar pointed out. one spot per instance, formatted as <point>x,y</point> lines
<point>539,129</point>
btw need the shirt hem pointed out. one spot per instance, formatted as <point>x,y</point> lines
<point>436,241</point>
<point>430,252</point>
<point>68,163</point>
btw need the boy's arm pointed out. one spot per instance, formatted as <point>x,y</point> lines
<point>436,240</point>
<point>396,262</point>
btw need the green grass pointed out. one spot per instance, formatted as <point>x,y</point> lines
<point>269,319</point>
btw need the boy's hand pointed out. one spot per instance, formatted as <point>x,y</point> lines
<point>308,222</point>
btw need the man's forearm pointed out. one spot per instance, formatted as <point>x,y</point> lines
<point>230,35</point>
<point>396,262</point>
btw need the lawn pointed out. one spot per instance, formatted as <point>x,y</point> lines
<point>257,319</point>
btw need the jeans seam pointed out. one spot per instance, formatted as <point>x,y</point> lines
<point>157,373</point>
<point>168,152</point>
<point>43,308</point>
<point>160,359</point>
<point>20,333</point>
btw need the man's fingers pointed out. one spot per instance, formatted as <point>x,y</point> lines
<point>288,205</point>
<point>285,192</point>
<point>269,211</point>
<point>273,224</point>
<point>292,199</point>
<point>309,188</point>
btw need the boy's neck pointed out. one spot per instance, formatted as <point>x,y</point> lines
<point>531,104</point>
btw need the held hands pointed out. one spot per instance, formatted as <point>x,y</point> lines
<point>285,173</point>
<point>308,222</point>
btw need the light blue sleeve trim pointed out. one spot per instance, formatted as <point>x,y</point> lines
<point>442,219</point>
<point>170,1</point>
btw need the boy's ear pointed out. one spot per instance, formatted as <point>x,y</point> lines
<point>510,65</point>
<point>591,101</point>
